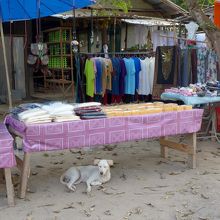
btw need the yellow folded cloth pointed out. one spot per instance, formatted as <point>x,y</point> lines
<point>158,103</point>
<point>181,108</point>
<point>184,107</point>
<point>187,107</point>
<point>127,113</point>
<point>170,107</point>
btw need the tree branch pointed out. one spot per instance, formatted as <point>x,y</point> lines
<point>212,32</point>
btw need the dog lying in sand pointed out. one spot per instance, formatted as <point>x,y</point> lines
<point>91,175</point>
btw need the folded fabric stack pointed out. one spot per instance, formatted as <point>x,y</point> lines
<point>66,118</point>
<point>143,109</point>
<point>22,108</point>
<point>60,111</point>
<point>43,113</point>
<point>186,91</point>
<point>214,85</point>
<point>201,90</point>
<point>90,110</point>
<point>33,116</point>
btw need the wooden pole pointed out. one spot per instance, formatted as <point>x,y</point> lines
<point>6,65</point>
<point>114,35</point>
<point>126,37</point>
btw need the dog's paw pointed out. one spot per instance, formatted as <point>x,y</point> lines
<point>73,188</point>
<point>88,190</point>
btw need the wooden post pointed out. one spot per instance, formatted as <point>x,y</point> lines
<point>24,175</point>
<point>192,156</point>
<point>114,36</point>
<point>9,187</point>
<point>6,65</point>
<point>104,34</point>
<point>126,37</point>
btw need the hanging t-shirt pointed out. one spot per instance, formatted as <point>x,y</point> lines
<point>90,77</point>
<point>146,76</point>
<point>116,76</point>
<point>122,77</point>
<point>144,80</point>
<point>98,76</point>
<point>151,73</point>
<point>137,64</point>
<point>130,76</point>
<point>106,75</point>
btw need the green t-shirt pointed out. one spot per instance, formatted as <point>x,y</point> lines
<point>90,78</point>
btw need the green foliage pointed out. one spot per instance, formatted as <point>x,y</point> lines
<point>115,6</point>
<point>203,3</point>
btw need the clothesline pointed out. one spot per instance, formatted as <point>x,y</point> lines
<point>182,38</point>
<point>119,53</point>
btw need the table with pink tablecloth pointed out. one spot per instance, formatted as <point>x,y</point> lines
<point>7,157</point>
<point>96,132</point>
<point>90,133</point>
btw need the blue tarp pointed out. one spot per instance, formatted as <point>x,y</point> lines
<point>12,10</point>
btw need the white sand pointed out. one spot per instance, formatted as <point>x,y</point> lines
<point>143,186</point>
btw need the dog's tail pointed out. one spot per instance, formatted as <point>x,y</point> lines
<point>62,179</point>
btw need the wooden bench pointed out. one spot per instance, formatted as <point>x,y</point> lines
<point>7,161</point>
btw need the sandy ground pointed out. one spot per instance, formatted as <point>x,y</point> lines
<point>143,186</point>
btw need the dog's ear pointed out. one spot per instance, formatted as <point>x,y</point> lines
<point>96,161</point>
<point>110,162</point>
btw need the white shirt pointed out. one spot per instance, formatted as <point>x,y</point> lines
<point>192,27</point>
<point>146,76</point>
<point>151,73</point>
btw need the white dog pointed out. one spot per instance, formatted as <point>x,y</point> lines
<point>91,175</point>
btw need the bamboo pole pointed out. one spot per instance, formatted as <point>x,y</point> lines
<point>6,65</point>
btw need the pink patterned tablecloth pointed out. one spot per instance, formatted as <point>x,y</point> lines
<point>90,133</point>
<point>7,157</point>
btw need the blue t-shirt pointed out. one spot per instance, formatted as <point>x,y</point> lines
<point>98,79</point>
<point>116,76</point>
<point>137,64</point>
<point>130,76</point>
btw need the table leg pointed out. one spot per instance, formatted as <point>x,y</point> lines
<point>192,155</point>
<point>24,175</point>
<point>1,175</point>
<point>9,187</point>
<point>164,149</point>
<point>189,149</point>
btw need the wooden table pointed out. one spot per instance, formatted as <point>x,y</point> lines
<point>96,132</point>
<point>7,160</point>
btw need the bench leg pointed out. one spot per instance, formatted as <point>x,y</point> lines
<point>24,175</point>
<point>9,187</point>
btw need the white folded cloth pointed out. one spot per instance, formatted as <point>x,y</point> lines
<point>58,107</point>
<point>31,113</point>
<point>40,119</point>
<point>66,118</point>
<point>56,111</point>
<point>62,113</point>
<point>87,104</point>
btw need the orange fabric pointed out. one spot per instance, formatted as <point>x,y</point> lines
<point>217,13</point>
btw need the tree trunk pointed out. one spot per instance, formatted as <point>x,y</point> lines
<point>212,32</point>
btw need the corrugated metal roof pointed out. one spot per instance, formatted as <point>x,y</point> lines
<point>168,6</point>
<point>158,8</point>
<point>151,22</point>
